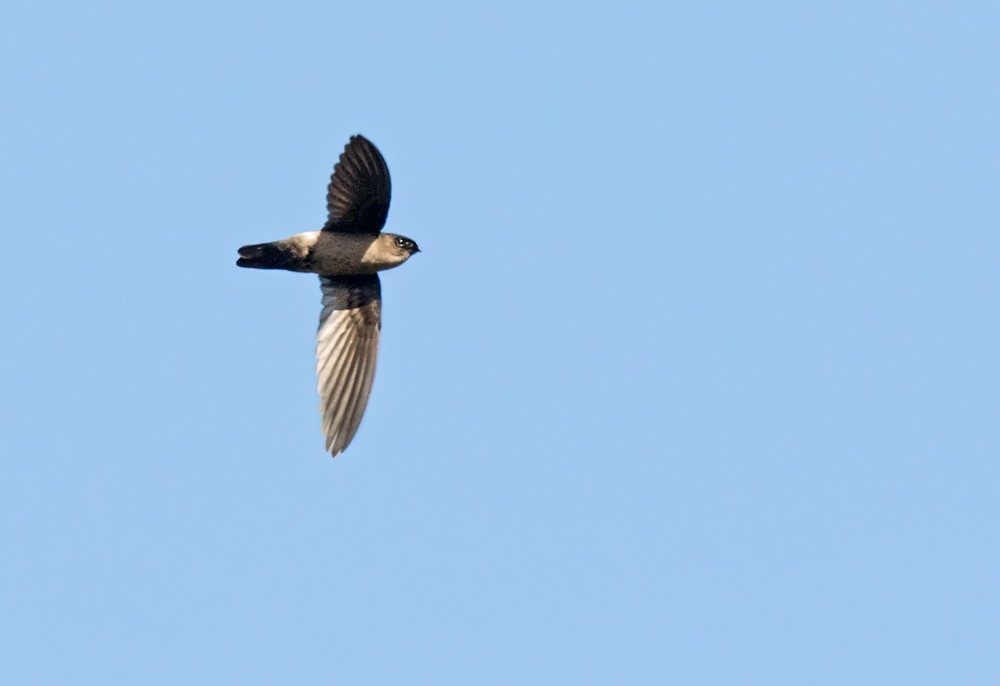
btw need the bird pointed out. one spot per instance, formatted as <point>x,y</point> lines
<point>347,254</point>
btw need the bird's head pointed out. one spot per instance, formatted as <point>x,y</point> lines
<point>402,246</point>
<point>389,250</point>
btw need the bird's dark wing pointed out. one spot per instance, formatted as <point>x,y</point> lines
<point>358,195</point>
<point>346,350</point>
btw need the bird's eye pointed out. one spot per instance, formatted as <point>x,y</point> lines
<point>400,241</point>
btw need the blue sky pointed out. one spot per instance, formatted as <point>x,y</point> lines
<point>694,382</point>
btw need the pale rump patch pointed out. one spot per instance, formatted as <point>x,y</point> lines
<point>302,242</point>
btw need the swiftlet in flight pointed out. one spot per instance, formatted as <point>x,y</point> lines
<point>347,254</point>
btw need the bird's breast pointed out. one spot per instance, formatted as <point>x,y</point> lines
<point>343,254</point>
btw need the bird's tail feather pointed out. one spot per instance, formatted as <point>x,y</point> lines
<point>267,256</point>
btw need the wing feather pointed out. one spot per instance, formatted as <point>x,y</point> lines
<point>346,353</point>
<point>357,198</point>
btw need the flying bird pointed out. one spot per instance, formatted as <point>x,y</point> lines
<point>347,254</point>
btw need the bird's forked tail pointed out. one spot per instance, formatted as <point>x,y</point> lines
<point>267,256</point>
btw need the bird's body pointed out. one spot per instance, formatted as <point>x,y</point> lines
<point>347,254</point>
<point>327,252</point>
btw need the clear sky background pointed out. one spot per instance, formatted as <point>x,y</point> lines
<point>695,381</point>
